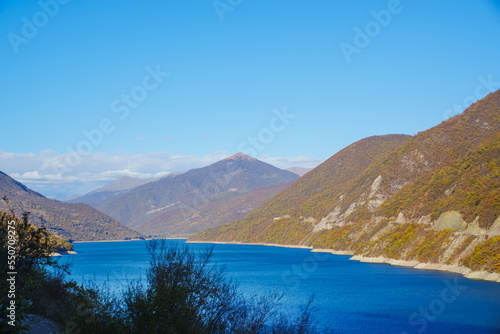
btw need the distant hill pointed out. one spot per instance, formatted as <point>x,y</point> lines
<point>125,183</point>
<point>433,197</point>
<point>67,198</point>
<point>199,198</point>
<point>67,220</point>
<point>300,171</point>
<point>114,189</point>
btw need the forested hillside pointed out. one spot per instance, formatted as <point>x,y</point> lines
<point>66,220</point>
<point>431,197</point>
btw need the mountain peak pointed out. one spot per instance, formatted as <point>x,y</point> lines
<point>240,156</point>
<point>170,206</point>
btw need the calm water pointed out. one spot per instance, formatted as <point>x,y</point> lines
<point>351,296</point>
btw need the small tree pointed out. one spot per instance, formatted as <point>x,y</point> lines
<point>189,294</point>
<point>28,249</point>
<point>26,256</point>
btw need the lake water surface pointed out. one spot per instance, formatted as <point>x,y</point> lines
<point>350,296</point>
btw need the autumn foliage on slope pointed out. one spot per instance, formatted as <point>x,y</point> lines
<point>452,166</point>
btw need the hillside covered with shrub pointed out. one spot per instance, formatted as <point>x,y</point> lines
<point>393,196</point>
<point>70,221</point>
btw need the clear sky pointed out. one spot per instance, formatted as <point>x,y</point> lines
<point>161,86</point>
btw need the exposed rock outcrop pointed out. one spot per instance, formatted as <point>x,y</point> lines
<point>450,220</point>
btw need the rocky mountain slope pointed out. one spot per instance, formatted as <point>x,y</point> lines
<point>432,197</point>
<point>199,198</point>
<point>222,209</point>
<point>67,220</point>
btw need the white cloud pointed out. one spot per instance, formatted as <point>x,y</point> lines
<point>43,173</point>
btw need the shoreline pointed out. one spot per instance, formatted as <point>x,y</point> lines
<point>462,270</point>
<point>82,241</point>
<point>249,243</point>
<point>79,242</point>
<point>456,269</point>
<point>63,253</point>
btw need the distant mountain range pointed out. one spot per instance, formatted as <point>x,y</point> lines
<point>300,171</point>
<point>179,205</point>
<point>112,190</point>
<point>432,197</point>
<point>67,220</point>
<point>123,184</point>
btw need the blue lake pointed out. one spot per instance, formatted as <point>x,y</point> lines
<point>350,296</point>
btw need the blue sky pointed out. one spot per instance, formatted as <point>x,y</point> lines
<point>232,67</point>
